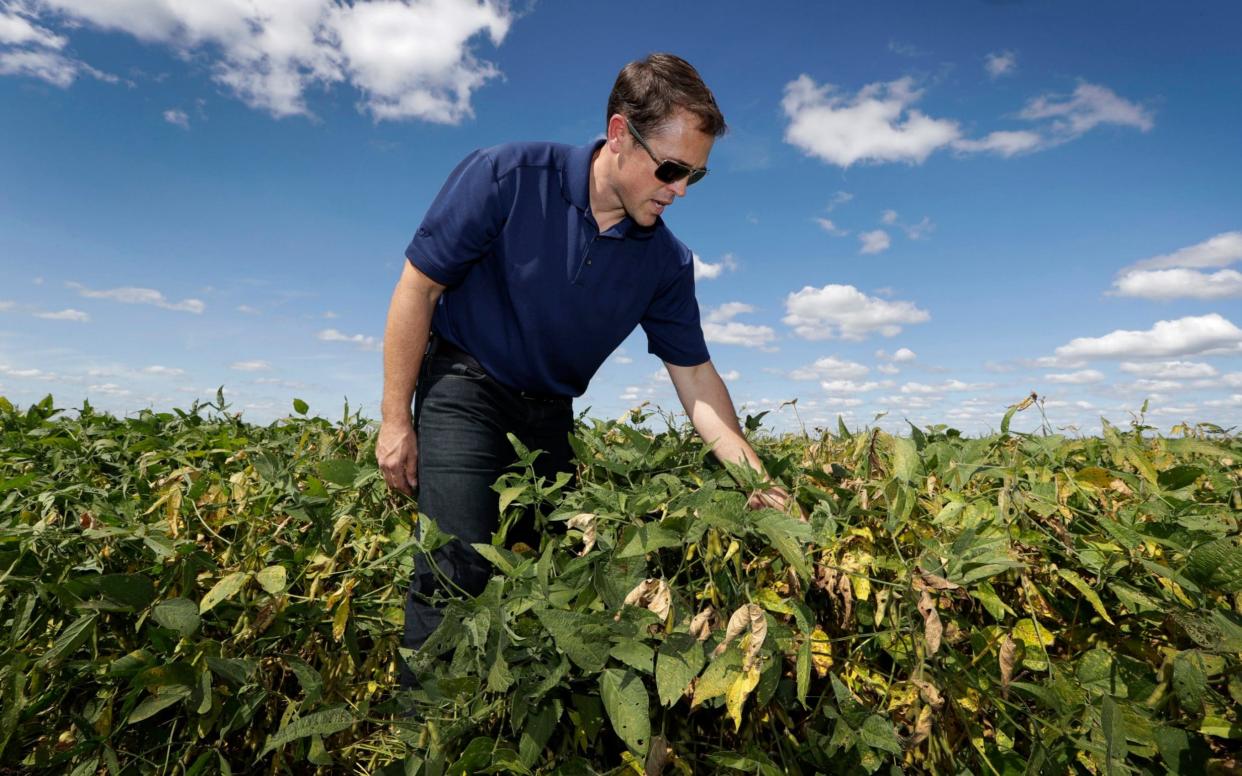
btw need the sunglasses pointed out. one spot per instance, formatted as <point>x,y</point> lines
<point>668,170</point>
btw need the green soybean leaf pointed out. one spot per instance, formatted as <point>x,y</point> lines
<point>157,702</point>
<point>69,640</point>
<point>321,723</point>
<point>179,614</point>
<point>579,637</point>
<point>679,660</point>
<point>628,707</point>
<point>338,471</point>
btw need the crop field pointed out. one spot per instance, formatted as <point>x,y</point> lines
<point>189,593</point>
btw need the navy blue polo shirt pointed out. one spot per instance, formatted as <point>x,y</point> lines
<point>534,291</point>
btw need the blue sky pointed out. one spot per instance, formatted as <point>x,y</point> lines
<point>925,210</point>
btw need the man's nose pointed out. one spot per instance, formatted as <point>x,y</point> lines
<point>679,188</point>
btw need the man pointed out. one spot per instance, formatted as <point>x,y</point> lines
<point>535,261</point>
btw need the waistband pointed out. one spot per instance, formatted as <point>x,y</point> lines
<point>441,347</point>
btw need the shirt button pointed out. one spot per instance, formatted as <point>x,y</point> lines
<point>588,262</point>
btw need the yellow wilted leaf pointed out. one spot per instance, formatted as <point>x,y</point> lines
<point>735,696</point>
<point>902,695</point>
<point>821,652</point>
<point>339,619</point>
<point>1087,592</point>
<point>922,728</point>
<point>1035,638</point>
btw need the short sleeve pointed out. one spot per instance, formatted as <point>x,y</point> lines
<point>671,322</point>
<point>461,223</point>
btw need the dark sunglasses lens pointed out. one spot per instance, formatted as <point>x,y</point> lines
<point>671,172</point>
<point>696,176</point>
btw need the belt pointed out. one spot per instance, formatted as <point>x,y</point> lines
<point>439,346</point>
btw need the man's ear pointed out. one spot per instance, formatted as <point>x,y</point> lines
<point>616,131</point>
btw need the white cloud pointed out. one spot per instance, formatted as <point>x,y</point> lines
<point>719,327</point>
<point>829,366</point>
<point>46,65</point>
<point>829,226</point>
<point>734,333</point>
<point>1181,337</point>
<point>133,295</point>
<point>68,314</point>
<point>363,341</point>
<point>1180,284</point>
<point>887,369</point>
<point>838,199</point>
<point>407,59</point>
<point>1000,63</point>
<point>1175,276</point>
<point>875,241</point>
<point>177,117</point>
<point>5,305</point>
<point>248,310</point>
<point>623,359</point>
<point>731,375</point>
<point>29,374</point>
<point>877,124</point>
<point>841,311</point>
<point>948,385</point>
<point>16,30</point>
<point>1003,142</point>
<point>1172,370</point>
<point>1219,251</point>
<point>1081,377</point>
<point>163,371</point>
<point>1088,107</point>
<point>727,312</point>
<point>849,386</point>
<point>250,366</point>
<point>1233,379</point>
<point>706,271</point>
<point>903,354</point>
<point>889,217</point>
<point>920,230</point>
<point>109,389</point>
<point>841,401</point>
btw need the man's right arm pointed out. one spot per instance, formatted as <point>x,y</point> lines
<point>405,340</point>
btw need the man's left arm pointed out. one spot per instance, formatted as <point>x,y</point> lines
<point>706,400</point>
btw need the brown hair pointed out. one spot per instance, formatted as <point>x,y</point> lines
<point>648,90</point>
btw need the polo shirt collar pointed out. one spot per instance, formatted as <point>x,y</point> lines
<point>576,188</point>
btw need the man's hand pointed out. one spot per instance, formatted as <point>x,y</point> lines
<point>774,497</point>
<point>396,451</point>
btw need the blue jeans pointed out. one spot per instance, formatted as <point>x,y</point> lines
<point>461,416</point>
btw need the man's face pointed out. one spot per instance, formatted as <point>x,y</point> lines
<point>643,195</point>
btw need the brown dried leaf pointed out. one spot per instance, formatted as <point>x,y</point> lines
<point>934,581</point>
<point>845,594</point>
<point>738,622</point>
<point>758,632</point>
<point>932,628</point>
<point>928,692</point>
<point>584,522</point>
<point>658,757</point>
<point>661,601</point>
<point>922,728</point>
<point>701,625</point>
<point>1008,658</point>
